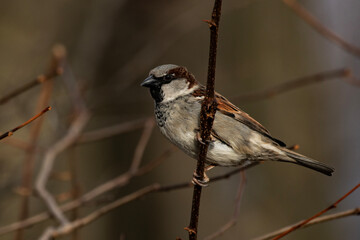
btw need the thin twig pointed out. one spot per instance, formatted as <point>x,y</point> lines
<point>126,199</point>
<point>11,132</point>
<point>28,166</point>
<point>76,127</point>
<point>133,170</point>
<point>140,148</point>
<point>55,69</point>
<point>47,165</point>
<point>75,191</point>
<point>320,28</point>
<point>107,208</point>
<point>235,216</point>
<point>334,205</point>
<point>91,195</point>
<point>326,218</point>
<point>275,90</point>
<point>151,165</point>
<point>207,115</point>
<point>73,133</point>
<point>19,143</point>
<point>111,131</point>
<point>101,189</point>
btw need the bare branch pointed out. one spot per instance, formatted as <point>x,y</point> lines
<point>28,166</point>
<point>47,165</point>
<point>18,143</point>
<point>334,205</point>
<point>55,69</point>
<point>98,213</point>
<point>75,190</point>
<point>128,198</point>
<point>111,131</point>
<point>272,91</point>
<point>351,212</point>
<point>320,28</point>
<point>235,216</point>
<point>151,165</point>
<point>11,132</point>
<point>90,196</point>
<point>140,148</point>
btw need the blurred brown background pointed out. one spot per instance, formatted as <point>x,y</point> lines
<point>111,46</point>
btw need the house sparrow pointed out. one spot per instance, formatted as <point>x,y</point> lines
<point>236,138</point>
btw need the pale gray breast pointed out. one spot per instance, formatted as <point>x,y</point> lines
<point>178,120</point>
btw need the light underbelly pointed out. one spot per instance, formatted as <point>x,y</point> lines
<point>218,152</point>
<point>221,154</point>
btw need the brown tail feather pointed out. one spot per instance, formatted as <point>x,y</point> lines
<point>308,162</point>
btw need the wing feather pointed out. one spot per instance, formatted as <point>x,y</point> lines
<point>227,108</point>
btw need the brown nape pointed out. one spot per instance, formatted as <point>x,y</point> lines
<point>200,92</point>
<point>182,72</point>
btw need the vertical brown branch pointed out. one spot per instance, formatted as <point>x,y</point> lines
<point>75,187</point>
<point>54,69</point>
<point>28,167</point>
<point>207,115</point>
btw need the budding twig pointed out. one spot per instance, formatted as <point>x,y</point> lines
<point>11,132</point>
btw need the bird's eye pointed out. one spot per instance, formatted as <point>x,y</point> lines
<point>169,76</point>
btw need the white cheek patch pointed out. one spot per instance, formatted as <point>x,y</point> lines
<point>175,89</point>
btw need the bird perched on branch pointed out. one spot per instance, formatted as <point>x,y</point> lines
<point>236,138</point>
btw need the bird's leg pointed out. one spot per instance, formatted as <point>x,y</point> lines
<point>199,138</point>
<point>207,168</point>
<point>202,181</point>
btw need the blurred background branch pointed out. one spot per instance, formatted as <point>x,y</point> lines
<point>111,45</point>
<point>320,28</point>
<point>329,217</point>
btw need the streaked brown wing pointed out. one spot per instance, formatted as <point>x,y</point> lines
<point>229,109</point>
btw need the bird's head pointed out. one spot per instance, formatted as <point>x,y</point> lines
<point>168,82</point>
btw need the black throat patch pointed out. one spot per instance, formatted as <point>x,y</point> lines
<point>157,94</point>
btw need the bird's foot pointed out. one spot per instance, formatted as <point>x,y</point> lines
<point>202,141</point>
<point>200,181</point>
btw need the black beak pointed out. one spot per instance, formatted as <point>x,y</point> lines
<point>149,81</point>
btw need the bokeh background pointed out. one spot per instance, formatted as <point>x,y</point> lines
<point>111,46</point>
